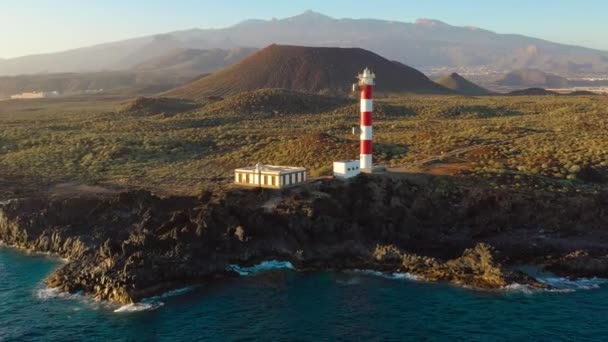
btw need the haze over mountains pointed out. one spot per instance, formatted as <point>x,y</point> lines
<point>425,43</point>
<point>158,73</point>
<point>187,62</point>
<point>532,78</point>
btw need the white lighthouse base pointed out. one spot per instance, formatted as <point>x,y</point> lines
<point>366,161</point>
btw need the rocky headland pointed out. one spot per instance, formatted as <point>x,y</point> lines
<point>126,246</point>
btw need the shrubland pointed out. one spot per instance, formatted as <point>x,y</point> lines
<point>558,143</point>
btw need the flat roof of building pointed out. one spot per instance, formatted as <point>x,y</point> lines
<point>348,161</point>
<point>271,168</point>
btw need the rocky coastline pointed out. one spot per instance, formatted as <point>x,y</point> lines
<point>130,245</point>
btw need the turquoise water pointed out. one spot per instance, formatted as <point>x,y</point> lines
<point>287,305</point>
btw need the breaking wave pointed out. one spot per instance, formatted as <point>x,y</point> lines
<point>394,275</point>
<point>153,303</point>
<point>559,285</point>
<point>146,304</point>
<point>176,292</point>
<point>47,293</point>
<point>137,307</point>
<point>261,267</point>
<point>52,292</point>
<point>168,294</point>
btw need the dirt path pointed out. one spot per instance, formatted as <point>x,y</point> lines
<point>450,161</point>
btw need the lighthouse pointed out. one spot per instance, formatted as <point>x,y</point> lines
<point>366,83</point>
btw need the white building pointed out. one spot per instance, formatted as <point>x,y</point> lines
<point>270,176</point>
<point>35,95</point>
<point>347,168</point>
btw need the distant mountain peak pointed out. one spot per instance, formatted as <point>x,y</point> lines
<point>430,22</point>
<point>461,85</point>
<point>311,15</point>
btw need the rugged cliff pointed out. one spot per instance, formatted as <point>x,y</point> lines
<point>123,247</point>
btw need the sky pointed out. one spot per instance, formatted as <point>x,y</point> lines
<point>41,26</point>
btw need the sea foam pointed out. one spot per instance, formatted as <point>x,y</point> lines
<point>46,293</point>
<point>147,304</point>
<point>153,303</point>
<point>574,284</point>
<point>137,307</point>
<point>559,285</point>
<point>261,267</point>
<point>176,292</point>
<point>393,275</point>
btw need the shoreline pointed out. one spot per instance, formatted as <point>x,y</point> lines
<point>555,283</point>
<point>154,302</point>
<point>132,245</point>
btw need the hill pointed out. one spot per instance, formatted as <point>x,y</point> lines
<point>146,106</point>
<point>424,43</point>
<point>461,85</point>
<point>532,78</point>
<point>275,102</point>
<point>308,69</point>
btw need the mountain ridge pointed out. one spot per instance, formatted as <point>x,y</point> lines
<point>426,44</point>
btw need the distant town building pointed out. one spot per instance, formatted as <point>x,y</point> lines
<point>270,176</point>
<point>347,168</point>
<point>35,95</point>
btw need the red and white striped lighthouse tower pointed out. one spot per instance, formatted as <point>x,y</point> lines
<point>366,83</point>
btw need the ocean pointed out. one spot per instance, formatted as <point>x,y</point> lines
<point>273,302</point>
